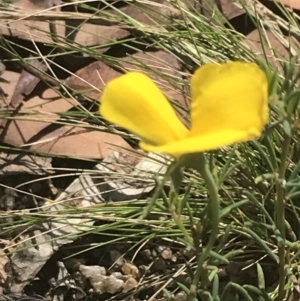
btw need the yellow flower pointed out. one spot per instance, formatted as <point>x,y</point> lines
<point>229,105</point>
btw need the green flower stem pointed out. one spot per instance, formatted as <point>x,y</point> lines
<point>280,214</point>
<point>214,215</point>
<point>174,202</point>
<point>197,162</point>
<point>179,223</point>
<point>174,172</point>
<point>160,185</point>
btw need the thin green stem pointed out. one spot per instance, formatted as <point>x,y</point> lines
<point>171,169</point>
<point>280,214</point>
<point>175,204</point>
<point>214,215</point>
<point>179,223</point>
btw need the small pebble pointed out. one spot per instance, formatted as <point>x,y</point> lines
<point>130,284</point>
<point>165,252</point>
<point>130,269</point>
<point>93,272</point>
<point>159,265</point>
<point>181,296</point>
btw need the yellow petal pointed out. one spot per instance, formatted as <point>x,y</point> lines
<point>229,97</point>
<point>134,102</point>
<point>201,143</point>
